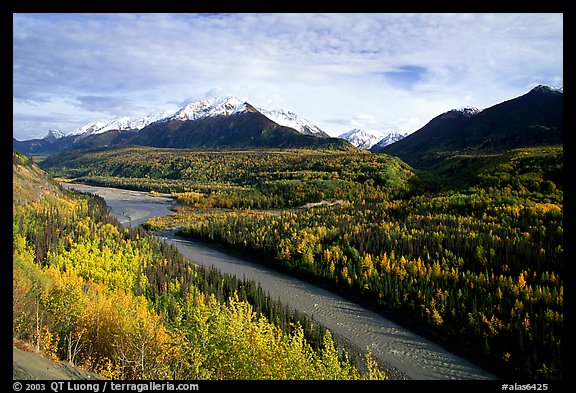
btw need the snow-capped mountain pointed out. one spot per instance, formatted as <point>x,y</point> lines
<point>53,135</point>
<point>220,106</point>
<point>88,129</point>
<point>390,139</point>
<point>226,106</point>
<point>123,123</point>
<point>467,110</point>
<point>548,89</point>
<point>134,122</point>
<point>292,120</point>
<point>226,123</point>
<point>363,139</point>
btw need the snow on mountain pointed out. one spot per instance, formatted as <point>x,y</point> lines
<point>548,89</point>
<point>220,106</point>
<point>390,139</point>
<point>292,120</point>
<point>468,110</point>
<point>53,135</point>
<point>193,111</point>
<point>134,122</point>
<point>120,123</point>
<point>363,139</point>
<point>88,129</point>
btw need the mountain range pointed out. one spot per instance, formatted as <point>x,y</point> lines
<point>241,125</point>
<point>363,139</point>
<point>533,119</point>
<point>214,123</point>
<point>368,139</point>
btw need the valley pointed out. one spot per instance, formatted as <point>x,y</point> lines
<point>118,302</point>
<point>470,259</point>
<point>455,232</point>
<point>404,352</point>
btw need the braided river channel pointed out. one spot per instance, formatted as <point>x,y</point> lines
<point>398,348</point>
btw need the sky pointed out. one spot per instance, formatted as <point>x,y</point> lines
<point>341,71</point>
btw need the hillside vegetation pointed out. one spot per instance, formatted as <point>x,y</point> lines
<point>239,178</point>
<point>535,119</point>
<point>471,249</point>
<point>120,303</point>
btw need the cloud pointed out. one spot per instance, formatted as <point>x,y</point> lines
<point>110,103</point>
<point>35,125</point>
<point>321,66</point>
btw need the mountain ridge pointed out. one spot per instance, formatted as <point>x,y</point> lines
<point>361,138</point>
<point>248,128</point>
<point>532,119</point>
<point>206,115</point>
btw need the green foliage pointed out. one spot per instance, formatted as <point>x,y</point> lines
<point>240,179</point>
<point>531,120</point>
<point>21,159</point>
<point>118,302</point>
<point>471,249</point>
<point>528,170</point>
<point>482,265</point>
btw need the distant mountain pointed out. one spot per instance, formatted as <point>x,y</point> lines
<point>93,134</point>
<point>369,140</point>
<point>52,135</point>
<point>362,138</point>
<point>225,123</point>
<point>123,123</point>
<point>389,139</point>
<point>32,146</point>
<point>533,119</point>
<point>290,119</point>
<point>213,123</point>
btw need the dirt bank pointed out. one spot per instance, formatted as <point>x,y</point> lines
<point>33,366</point>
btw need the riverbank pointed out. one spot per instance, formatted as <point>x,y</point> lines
<point>402,321</point>
<point>391,344</point>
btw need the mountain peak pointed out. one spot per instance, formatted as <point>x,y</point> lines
<point>53,135</point>
<point>466,111</point>
<point>219,106</point>
<point>533,119</point>
<point>389,139</point>
<point>367,139</point>
<point>361,132</point>
<point>546,90</point>
<point>292,120</point>
<point>363,139</point>
<point>469,110</point>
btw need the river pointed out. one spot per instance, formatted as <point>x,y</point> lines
<point>412,355</point>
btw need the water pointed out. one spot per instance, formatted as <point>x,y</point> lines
<point>390,343</point>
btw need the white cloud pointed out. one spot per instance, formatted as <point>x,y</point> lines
<point>386,67</point>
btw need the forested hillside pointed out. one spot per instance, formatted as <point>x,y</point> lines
<point>471,249</point>
<point>118,302</point>
<point>239,178</point>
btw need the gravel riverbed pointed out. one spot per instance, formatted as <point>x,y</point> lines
<point>403,353</point>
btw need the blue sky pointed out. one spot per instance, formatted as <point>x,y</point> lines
<point>385,72</point>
